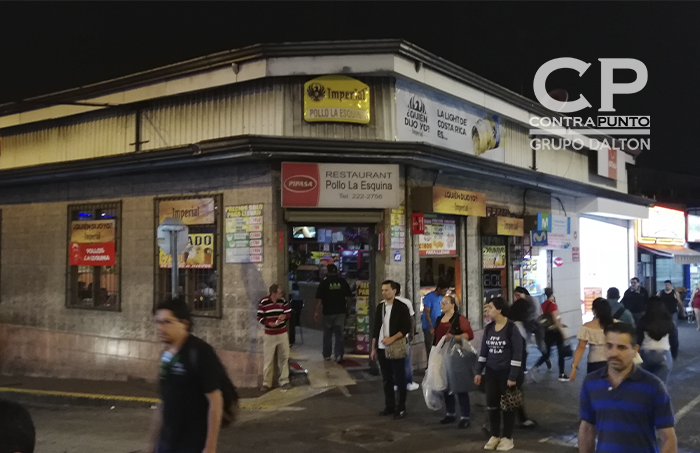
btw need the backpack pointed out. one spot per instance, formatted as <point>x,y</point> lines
<point>229,395</point>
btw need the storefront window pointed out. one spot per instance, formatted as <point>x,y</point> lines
<point>199,279</point>
<point>536,272</point>
<point>94,262</point>
<point>495,273</point>
<point>666,269</point>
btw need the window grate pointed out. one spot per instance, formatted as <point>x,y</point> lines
<point>200,287</point>
<point>95,287</point>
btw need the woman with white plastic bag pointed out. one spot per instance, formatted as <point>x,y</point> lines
<point>435,381</point>
<point>459,360</point>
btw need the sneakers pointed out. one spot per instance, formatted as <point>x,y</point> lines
<point>447,419</point>
<point>549,364</point>
<point>339,359</point>
<point>396,388</point>
<point>464,423</point>
<point>492,443</point>
<point>411,386</point>
<point>505,444</point>
<point>399,414</point>
<point>528,424</point>
<point>327,359</point>
<point>563,378</point>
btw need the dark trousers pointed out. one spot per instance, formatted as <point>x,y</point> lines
<point>393,374</point>
<point>160,448</point>
<point>333,326</point>
<point>551,338</point>
<point>428,338</point>
<point>464,404</point>
<point>496,385</point>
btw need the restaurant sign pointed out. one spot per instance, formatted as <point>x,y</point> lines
<point>92,243</point>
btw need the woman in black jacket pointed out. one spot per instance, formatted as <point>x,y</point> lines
<point>392,323</point>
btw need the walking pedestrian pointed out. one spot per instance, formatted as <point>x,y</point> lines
<point>431,311</point>
<point>554,334</point>
<point>525,313</point>
<point>619,311</point>
<point>635,299</point>
<point>695,303</point>
<point>622,405</point>
<point>410,385</point>
<point>593,334</point>
<point>16,428</point>
<point>333,297</point>
<point>392,323</point>
<point>452,325</point>
<point>658,339</point>
<point>189,417</point>
<point>273,313</point>
<point>501,363</point>
<point>671,299</point>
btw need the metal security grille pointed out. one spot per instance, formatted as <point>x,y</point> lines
<point>95,287</point>
<point>201,288</point>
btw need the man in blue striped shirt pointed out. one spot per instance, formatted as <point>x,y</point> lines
<point>624,404</point>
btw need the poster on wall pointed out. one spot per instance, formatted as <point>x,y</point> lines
<point>440,237</point>
<point>199,253</point>
<point>494,256</point>
<point>366,186</point>
<point>398,228</point>
<point>589,295</point>
<point>362,333</point>
<point>244,233</point>
<point>441,120</point>
<point>92,243</point>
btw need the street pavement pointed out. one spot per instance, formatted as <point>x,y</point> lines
<point>344,419</point>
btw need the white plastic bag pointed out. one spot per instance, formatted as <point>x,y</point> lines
<point>435,381</point>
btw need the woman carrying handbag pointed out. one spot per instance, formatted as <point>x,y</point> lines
<point>392,323</point>
<point>500,361</point>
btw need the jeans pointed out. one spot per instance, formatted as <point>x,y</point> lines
<point>551,338</point>
<point>333,325</point>
<point>428,338</point>
<point>660,363</point>
<point>495,384</point>
<point>409,365</point>
<point>393,374</point>
<point>464,404</point>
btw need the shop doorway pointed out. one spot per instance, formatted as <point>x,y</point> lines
<point>313,246</point>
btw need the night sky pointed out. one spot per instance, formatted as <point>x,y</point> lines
<point>46,47</point>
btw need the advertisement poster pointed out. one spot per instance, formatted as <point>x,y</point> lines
<point>494,256</point>
<point>364,186</point>
<point>398,228</point>
<point>92,243</point>
<point>362,333</point>
<point>338,99</point>
<point>441,120</point>
<point>199,253</point>
<point>664,223</point>
<point>440,237</point>
<point>244,233</point>
<point>589,295</point>
<point>196,211</point>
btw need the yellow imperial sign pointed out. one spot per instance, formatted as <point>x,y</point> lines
<point>337,99</point>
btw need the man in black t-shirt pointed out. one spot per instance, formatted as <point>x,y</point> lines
<point>189,417</point>
<point>334,295</point>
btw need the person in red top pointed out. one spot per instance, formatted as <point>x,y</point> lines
<point>554,334</point>
<point>273,313</point>
<point>453,325</point>
<point>695,303</point>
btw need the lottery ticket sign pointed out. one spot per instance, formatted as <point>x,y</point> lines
<point>244,234</point>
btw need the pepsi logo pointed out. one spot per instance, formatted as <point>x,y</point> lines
<point>300,184</point>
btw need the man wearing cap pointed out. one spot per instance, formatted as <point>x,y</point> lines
<point>619,311</point>
<point>333,296</point>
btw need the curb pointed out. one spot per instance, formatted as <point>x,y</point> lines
<point>76,399</point>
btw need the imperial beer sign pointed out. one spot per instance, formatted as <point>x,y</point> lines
<point>337,99</point>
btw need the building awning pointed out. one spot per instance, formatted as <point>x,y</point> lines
<point>680,254</point>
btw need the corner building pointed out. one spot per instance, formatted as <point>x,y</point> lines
<point>377,156</point>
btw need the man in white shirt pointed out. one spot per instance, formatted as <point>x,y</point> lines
<point>410,385</point>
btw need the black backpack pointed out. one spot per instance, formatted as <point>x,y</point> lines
<point>229,395</point>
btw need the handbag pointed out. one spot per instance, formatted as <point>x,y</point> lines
<point>396,350</point>
<point>511,399</point>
